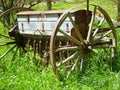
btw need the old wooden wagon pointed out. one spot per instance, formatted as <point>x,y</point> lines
<point>66,36</point>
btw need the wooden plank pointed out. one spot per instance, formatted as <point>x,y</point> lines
<point>91,24</point>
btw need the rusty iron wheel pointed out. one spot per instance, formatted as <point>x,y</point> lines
<point>100,37</point>
<point>10,41</point>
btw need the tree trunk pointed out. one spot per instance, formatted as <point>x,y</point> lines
<point>118,8</point>
<point>49,5</point>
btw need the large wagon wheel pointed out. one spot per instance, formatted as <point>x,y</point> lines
<point>8,40</point>
<point>88,34</point>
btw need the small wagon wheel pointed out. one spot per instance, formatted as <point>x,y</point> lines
<point>88,34</point>
<point>8,17</point>
<point>8,40</point>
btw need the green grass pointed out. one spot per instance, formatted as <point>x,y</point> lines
<point>108,5</point>
<point>56,6</point>
<point>23,74</point>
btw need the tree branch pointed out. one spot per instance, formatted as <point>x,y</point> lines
<point>33,3</point>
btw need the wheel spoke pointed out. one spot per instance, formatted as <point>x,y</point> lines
<point>7,52</point>
<point>91,24</point>
<point>7,43</point>
<point>70,38</point>
<point>81,64</point>
<point>107,33</point>
<point>99,25</point>
<point>97,40</point>
<point>76,29</point>
<point>73,67</point>
<point>13,19</point>
<point>6,36</point>
<point>4,24</point>
<point>112,51</point>
<point>68,48</point>
<point>100,46</point>
<point>15,53</point>
<point>67,59</point>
